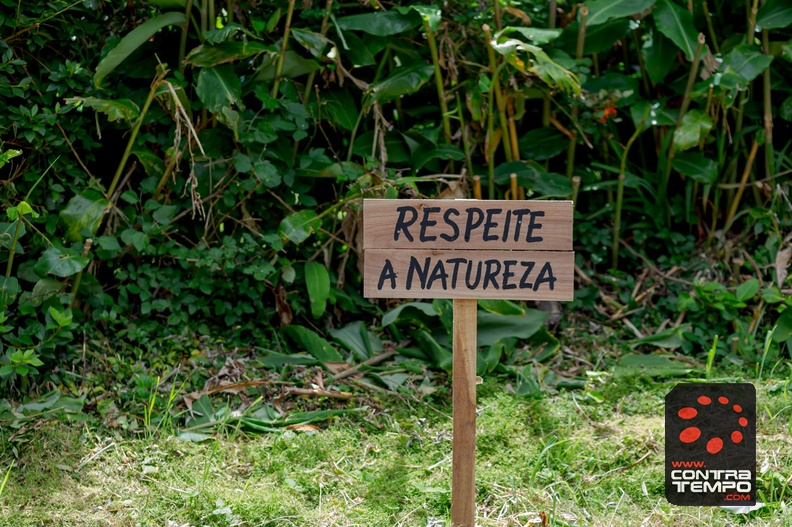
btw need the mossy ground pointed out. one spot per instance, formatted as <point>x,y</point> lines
<point>579,460</point>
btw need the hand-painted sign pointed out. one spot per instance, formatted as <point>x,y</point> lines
<point>468,249</point>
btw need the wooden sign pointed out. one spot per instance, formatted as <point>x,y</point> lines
<point>466,250</point>
<point>520,250</point>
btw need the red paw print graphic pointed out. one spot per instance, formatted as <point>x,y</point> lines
<point>693,433</point>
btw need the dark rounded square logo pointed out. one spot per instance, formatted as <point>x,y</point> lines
<point>710,443</point>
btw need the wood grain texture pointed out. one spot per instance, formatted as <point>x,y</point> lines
<point>516,275</point>
<point>463,476</point>
<point>535,225</point>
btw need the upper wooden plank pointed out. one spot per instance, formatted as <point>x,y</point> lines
<point>467,224</point>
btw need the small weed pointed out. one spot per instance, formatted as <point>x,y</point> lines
<point>5,479</point>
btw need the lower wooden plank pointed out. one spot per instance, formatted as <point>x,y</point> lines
<point>515,275</point>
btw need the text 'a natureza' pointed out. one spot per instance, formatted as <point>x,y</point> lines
<point>468,249</point>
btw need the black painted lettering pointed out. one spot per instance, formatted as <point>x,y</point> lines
<point>518,222</point>
<point>402,222</point>
<point>489,224</point>
<point>508,274</point>
<point>524,283</point>
<point>387,274</point>
<point>454,274</point>
<point>506,225</point>
<point>493,268</point>
<point>414,268</point>
<point>426,222</point>
<point>545,277</point>
<point>438,273</point>
<point>472,224</point>
<point>467,275</point>
<point>452,223</point>
<point>532,225</point>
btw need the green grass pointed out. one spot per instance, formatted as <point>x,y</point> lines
<point>579,461</point>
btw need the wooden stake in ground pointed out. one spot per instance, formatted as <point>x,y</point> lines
<point>463,478</point>
<point>467,250</point>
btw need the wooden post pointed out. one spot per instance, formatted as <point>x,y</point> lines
<point>463,477</point>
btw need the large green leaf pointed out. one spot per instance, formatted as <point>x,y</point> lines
<point>486,363</point>
<point>542,143</point>
<point>395,144</point>
<point>360,51</point>
<point>225,33</point>
<point>8,155</point>
<point>298,226</point>
<point>652,365</point>
<point>783,328</point>
<point>502,307</point>
<point>115,109</point>
<point>60,262</point>
<point>342,171</point>
<point>775,14</point>
<point>317,281</point>
<point>493,328</point>
<point>668,338</point>
<point>294,66</point>
<point>440,356</point>
<point>696,166</point>
<point>778,49</point>
<point>9,289</point>
<point>624,87</point>
<point>656,51</point>
<point>430,14</point>
<point>151,162</point>
<point>676,23</point>
<point>428,151</point>
<point>357,339</point>
<point>785,110</point>
<point>83,213</point>
<point>133,40</point>
<point>314,42</point>
<point>44,288</point>
<point>380,23</point>
<point>747,61</point>
<point>276,361</point>
<point>600,11</point>
<point>694,127</point>
<point>219,87</point>
<point>394,314</point>
<point>314,344</point>
<point>403,81</point>
<point>533,177</point>
<point>598,38</point>
<point>537,35</point>
<point>747,290</point>
<point>652,113</point>
<point>267,173</point>
<point>538,62</point>
<point>208,55</point>
<point>339,107</point>
<point>7,231</point>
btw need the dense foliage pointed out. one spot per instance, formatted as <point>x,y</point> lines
<point>180,166</point>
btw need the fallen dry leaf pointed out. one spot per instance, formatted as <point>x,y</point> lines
<point>304,428</point>
<point>782,265</point>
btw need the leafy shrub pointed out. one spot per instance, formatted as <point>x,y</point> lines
<point>206,168</point>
